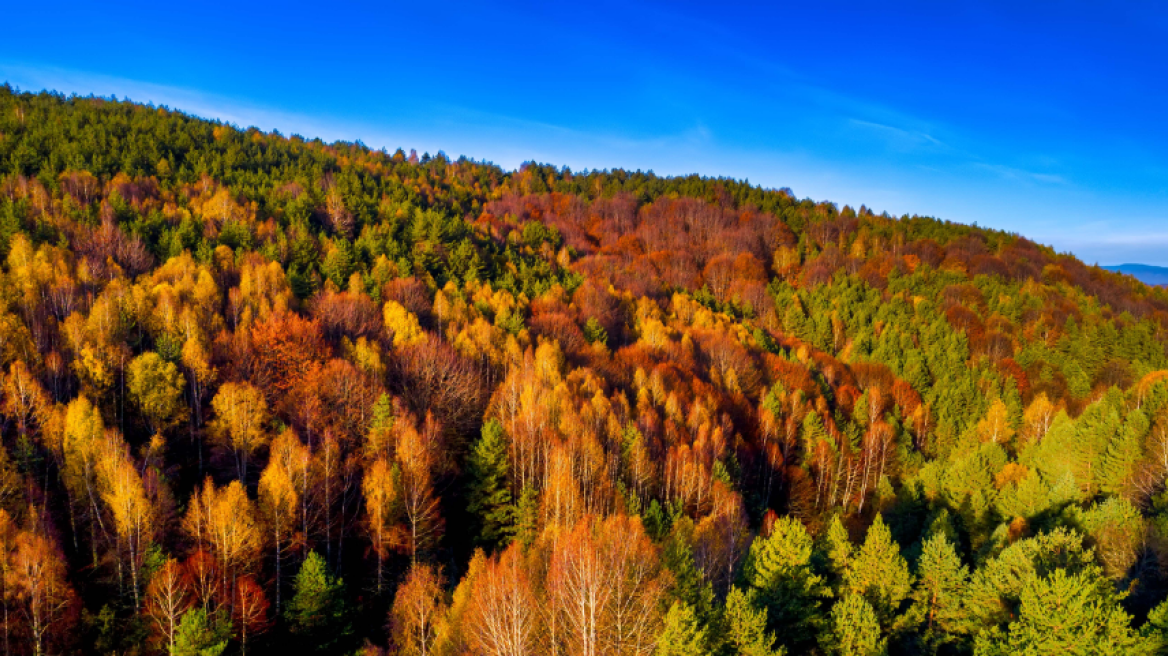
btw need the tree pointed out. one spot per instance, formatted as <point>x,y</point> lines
<point>167,597</point>
<point>382,507</point>
<point>416,454</point>
<point>240,415</point>
<point>279,503</point>
<point>746,627</point>
<point>156,386</point>
<point>504,614</point>
<point>418,611</point>
<point>605,585</point>
<point>44,597</point>
<point>937,597</point>
<point>317,613</point>
<point>682,635</point>
<point>779,572</point>
<point>224,519</point>
<point>1067,613</point>
<point>489,493</point>
<point>250,608</point>
<point>880,573</point>
<point>402,324</point>
<point>134,516</point>
<point>853,630</point>
<point>199,635</point>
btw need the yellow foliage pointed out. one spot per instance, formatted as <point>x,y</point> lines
<point>403,324</point>
<point>995,426</point>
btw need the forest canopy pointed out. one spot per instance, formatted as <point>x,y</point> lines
<point>263,392</point>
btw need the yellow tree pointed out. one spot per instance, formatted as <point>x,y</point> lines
<point>24,398</point>
<point>155,386</point>
<point>81,446</point>
<point>125,496</point>
<point>402,324</point>
<point>296,459</point>
<point>415,457</point>
<point>224,520</point>
<point>200,374</point>
<point>279,503</point>
<point>381,506</point>
<point>418,612</point>
<point>240,415</point>
<point>44,596</point>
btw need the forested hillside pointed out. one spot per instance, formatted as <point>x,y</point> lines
<point>263,393</point>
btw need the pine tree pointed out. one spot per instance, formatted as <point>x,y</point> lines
<point>489,496</point>
<point>853,629</point>
<point>937,596</point>
<point>682,635</point>
<point>1068,613</point>
<point>880,573</point>
<point>746,627</point>
<point>199,635</point>
<point>316,614</point>
<point>778,569</point>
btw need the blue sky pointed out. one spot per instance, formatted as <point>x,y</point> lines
<point>1046,119</point>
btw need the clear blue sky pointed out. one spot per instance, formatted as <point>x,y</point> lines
<point>1046,119</point>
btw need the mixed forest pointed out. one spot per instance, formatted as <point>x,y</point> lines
<point>263,393</point>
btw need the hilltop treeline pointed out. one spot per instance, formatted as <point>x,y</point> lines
<point>261,392</point>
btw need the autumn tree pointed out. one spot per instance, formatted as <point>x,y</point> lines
<point>241,413</point>
<point>416,458</point>
<point>167,597</point>
<point>418,612</point>
<point>155,385</point>
<point>504,613</point>
<point>223,519</point>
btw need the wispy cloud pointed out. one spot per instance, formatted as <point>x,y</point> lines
<point>899,137</point>
<point>1012,173</point>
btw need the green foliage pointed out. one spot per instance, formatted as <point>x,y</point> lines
<point>936,611</point>
<point>317,614</point>
<point>527,517</point>
<point>779,573</point>
<point>681,636</point>
<point>200,635</point>
<point>1066,613</point>
<point>489,493</point>
<point>854,630</point>
<point>746,627</point>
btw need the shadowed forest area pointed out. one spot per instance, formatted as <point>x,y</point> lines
<point>265,393</point>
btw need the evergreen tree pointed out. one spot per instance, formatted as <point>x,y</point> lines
<point>316,615</point>
<point>1066,613</point>
<point>942,579</point>
<point>682,635</point>
<point>489,496</point>
<point>199,635</point>
<point>746,627</point>
<point>853,629</point>
<point>880,573</point>
<point>778,569</point>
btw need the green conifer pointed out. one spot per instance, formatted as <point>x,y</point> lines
<point>853,630</point>
<point>682,635</point>
<point>489,496</point>
<point>316,615</point>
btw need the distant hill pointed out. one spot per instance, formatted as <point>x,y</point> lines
<point>1145,273</point>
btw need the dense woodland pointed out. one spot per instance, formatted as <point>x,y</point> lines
<point>260,392</point>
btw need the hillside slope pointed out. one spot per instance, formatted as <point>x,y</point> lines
<point>239,367</point>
